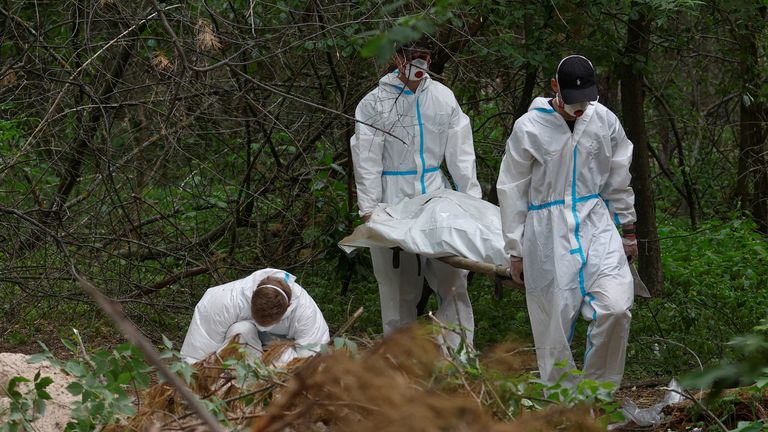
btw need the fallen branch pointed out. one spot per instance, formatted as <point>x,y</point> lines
<point>172,279</point>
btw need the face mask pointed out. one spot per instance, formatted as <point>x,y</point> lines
<point>571,109</point>
<point>417,69</point>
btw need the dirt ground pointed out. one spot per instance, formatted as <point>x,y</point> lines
<point>57,410</point>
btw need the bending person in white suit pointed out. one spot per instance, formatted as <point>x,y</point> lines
<point>406,128</point>
<point>268,305</point>
<point>563,188</point>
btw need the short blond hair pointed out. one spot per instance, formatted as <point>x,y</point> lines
<point>268,304</point>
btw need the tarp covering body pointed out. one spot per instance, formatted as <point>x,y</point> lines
<point>438,224</point>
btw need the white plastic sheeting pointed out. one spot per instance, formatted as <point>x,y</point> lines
<point>651,416</point>
<point>438,224</point>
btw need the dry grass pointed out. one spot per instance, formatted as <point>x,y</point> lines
<point>402,383</point>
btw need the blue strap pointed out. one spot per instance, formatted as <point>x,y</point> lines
<point>546,205</point>
<point>411,172</point>
<point>533,207</point>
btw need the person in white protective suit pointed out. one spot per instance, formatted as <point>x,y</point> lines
<point>264,307</point>
<point>563,188</point>
<point>406,128</point>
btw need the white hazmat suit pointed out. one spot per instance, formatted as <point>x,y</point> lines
<point>561,194</point>
<point>401,139</point>
<point>225,311</point>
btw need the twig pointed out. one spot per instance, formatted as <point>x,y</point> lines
<point>82,349</point>
<point>690,397</point>
<point>56,101</point>
<point>349,323</point>
<point>701,365</point>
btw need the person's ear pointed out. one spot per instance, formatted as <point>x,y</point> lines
<point>555,85</point>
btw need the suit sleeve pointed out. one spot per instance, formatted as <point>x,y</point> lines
<point>367,146</point>
<point>214,314</point>
<point>513,187</point>
<point>616,191</point>
<point>310,332</point>
<point>460,152</point>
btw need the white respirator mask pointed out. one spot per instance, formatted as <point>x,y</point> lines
<point>417,69</point>
<point>571,109</point>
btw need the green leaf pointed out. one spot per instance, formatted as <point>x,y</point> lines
<point>74,368</point>
<point>167,343</point>
<point>42,394</point>
<point>39,357</point>
<point>75,388</point>
<point>70,346</point>
<point>40,406</point>
<point>744,426</point>
<point>124,378</point>
<point>762,382</point>
<point>42,383</point>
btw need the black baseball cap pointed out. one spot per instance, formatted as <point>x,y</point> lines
<point>576,78</point>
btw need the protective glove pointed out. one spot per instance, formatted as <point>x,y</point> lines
<point>516,266</point>
<point>629,240</point>
<point>630,249</point>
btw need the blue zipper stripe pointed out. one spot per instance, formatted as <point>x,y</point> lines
<point>582,258</point>
<point>421,148</point>
<point>577,222</point>
<point>411,172</point>
<point>544,110</point>
<point>287,276</point>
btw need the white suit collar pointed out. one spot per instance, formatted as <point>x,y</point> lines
<point>541,104</point>
<point>392,83</point>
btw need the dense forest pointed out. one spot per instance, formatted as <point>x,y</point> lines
<point>150,150</point>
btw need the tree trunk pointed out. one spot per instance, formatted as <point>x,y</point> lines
<point>752,177</point>
<point>632,104</point>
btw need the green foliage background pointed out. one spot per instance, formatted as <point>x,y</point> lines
<point>245,165</point>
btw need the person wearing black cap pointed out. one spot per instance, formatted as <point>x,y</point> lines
<point>406,128</point>
<point>563,188</point>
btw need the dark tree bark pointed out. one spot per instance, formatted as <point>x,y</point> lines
<point>632,104</point>
<point>752,177</point>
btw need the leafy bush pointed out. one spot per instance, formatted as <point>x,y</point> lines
<point>715,290</point>
<point>25,407</point>
<point>102,379</point>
